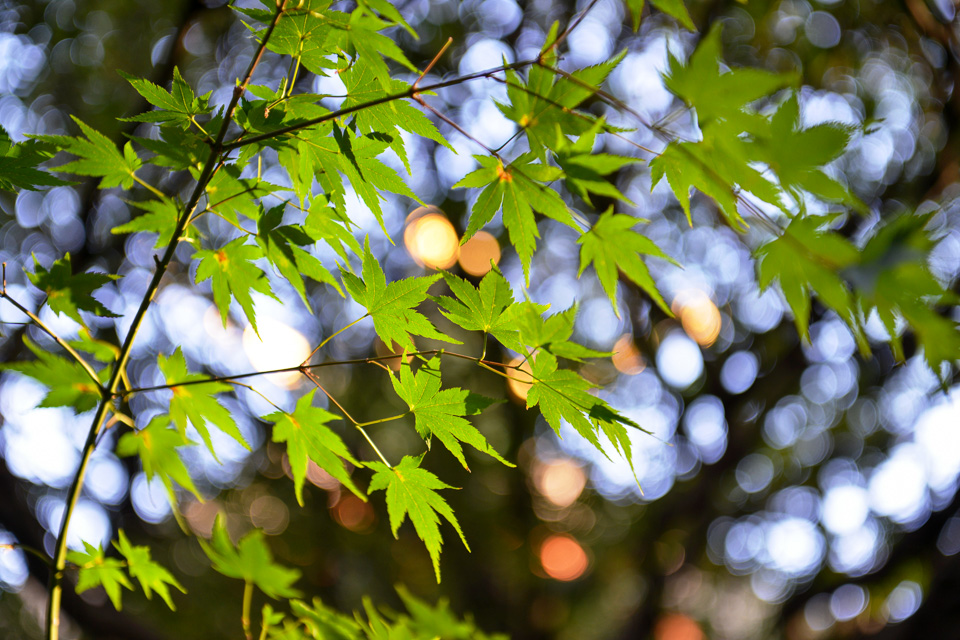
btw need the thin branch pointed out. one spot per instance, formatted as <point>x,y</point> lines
<point>331,337</point>
<point>566,32</point>
<point>312,378</point>
<point>73,493</point>
<point>436,58</point>
<point>245,612</point>
<point>569,111</point>
<point>409,93</point>
<point>304,368</point>
<point>27,549</point>
<point>456,126</point>
<point>47,330</point>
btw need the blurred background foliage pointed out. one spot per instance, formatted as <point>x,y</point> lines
<point>793,490</point>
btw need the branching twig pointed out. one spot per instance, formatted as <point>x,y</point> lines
<point>73,493</point>
<point>47,330</point>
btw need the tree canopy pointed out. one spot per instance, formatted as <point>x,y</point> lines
<point>473,320</point>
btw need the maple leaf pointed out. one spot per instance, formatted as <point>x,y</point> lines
<point>805,259</point>
<point>392,306</point>
<point>282,247</point>
<point>315,153</point>
<point>196,402</point>
<point>324,223</point>
<point>69,293</point>
<point>412,491</point>
<point>440,413</point>
<point>233,272</point>
<point>68,381</point>
<point>96,570</point>
<point>893,277</point>
<point>19,164</point>
<point>228,194</point>
<point>673,8</point>
<point>796,154</point>
<point>250,560</point>
<point>584,171</point>
<point>156,445</point>
<point>546,102</point>
<point>488,307</point>
<point>563,396</point>
<point>389,117</point>
<point>308,437</point>
<point>612,246</point>
<point>324,622</point>
<point>519,189</point>
<point>161,218</point>
<point>98,156</point>
<point>176,149</point>
<point>717,95</point>
<point>179,105</point>
<point>151,575</point>
<point>551,333</point>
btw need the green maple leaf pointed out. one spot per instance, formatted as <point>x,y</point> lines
<point>102,350</point>
<point>392,306</point>
<point>797,154</point>
<point>519,189</point>
<point>308,437</point>
<point>282,247</point>
<point>804,260</point>
<point>717,95</point>
<point>69,293</point>
<point>196,402</point>
<point>675,9</point>
<point>324,622</point>
<point>441,413</point>
<point>563,396</point>
<point>161,218</point>
<point>551,333</point>
<point>156,445</point>
<point>250,560</point>
<point>323,223</point>
<point>546,103</point>
<point>389,117</point>
<point>19,164</point>
<point>489,307</point>
<point>719,166</point>
<point>228,194</point>
<point>358,32</point>
<point>98,157</point>
<point>69,384</point>
<point>179,105</point>
<point>612,246</point>
<point>151,575</point>
<point>894,278</point>
<point>315,153</point>
<point>233,272</point>
<point>412,491</point>
<point>96,570</point>
<point>302,33</point>
<point>436,621</point>
<point>585,171</point>
<point>176,149</point>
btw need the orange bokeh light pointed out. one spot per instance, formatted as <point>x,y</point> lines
<point>699,316</point>
<point>563,558</point>
<point>431,240</point>
<point>677,626</point>
<point>626,357</point>
<point>516,382</point>
<point>560,481</point>
<point>354,514</point>
<point>478,252</point>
